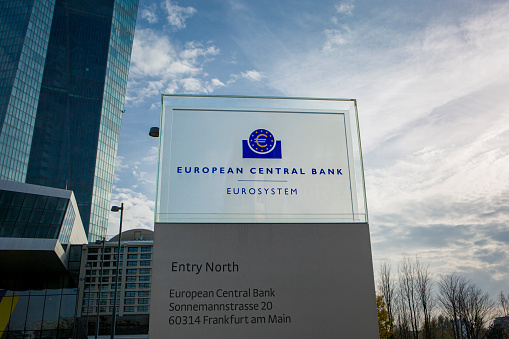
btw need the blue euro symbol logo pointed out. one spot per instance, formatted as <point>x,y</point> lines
<point>261,141</point>
<point>261,144</point>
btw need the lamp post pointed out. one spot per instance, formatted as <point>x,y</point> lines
<point>103,241</point>
<point>87,265</point>
<point>114,313</point>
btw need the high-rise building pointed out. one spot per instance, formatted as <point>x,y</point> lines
<point>63,75</point>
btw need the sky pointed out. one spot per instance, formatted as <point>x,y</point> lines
<point>431,80</point>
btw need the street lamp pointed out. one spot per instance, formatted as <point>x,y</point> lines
<point>87,265</point>
<point>114,313</point>
<point>154,132</point>
<point>103,241</point>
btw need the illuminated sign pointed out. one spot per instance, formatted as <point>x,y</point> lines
<point>231,164</point>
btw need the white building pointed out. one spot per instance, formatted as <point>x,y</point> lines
<point>98,279</point>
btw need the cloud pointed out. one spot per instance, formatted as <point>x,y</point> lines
<point>149,14</point>
<point>178,15</point>
<point>345,8</point>
<point>333,39</point>
<point>158,66</point>
<point>252,75</point>
<point>138,211</point>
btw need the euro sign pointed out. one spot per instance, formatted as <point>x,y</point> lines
<point>260,140</point>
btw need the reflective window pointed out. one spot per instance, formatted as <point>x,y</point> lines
<point>32,216</point>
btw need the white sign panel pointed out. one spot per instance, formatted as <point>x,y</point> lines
<point>246,165</point>
<point>258,281</point>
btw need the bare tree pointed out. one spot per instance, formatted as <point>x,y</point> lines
<point>386,286</point>
<point>475,313</point>
<point>402,317</point>
<point>424,286</point>
<point>451,290</point>
<point>466,305</point>
<point>409,294</point>
<point>504,303</point>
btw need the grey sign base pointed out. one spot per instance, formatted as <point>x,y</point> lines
<point>262,281</point>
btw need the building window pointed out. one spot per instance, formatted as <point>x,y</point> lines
<point>143,301</point>
<point>130,278</point>
<point>104,295</point>
<point>146,256</point>
<point>129,301</point>
<point>121,250</point>
<point>130,286</point>
<point>92,257</point>
<point>107,250</point>
<point>145,285</point>
<point>142,308</point>
<point>145,263</point>
<point>130,294</point>
<point>132,256</point>
<point>144,294</point>
<point>132,249</point>
<point>145,278</point>
<point>93,250</point>
<point>132,263</point>
<point>128,308</point>
<point>112,294</point>
<point>146,249</point>
<point>131,271</point>
<point>144,270</point>
<point>111,309</point>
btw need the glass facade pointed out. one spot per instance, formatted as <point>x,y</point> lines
<point>63,73</point>
<point>24,34</point>
<point>25,215</point>
<point>41,308</point>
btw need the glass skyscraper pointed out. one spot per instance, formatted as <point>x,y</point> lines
<point>63,75</point>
